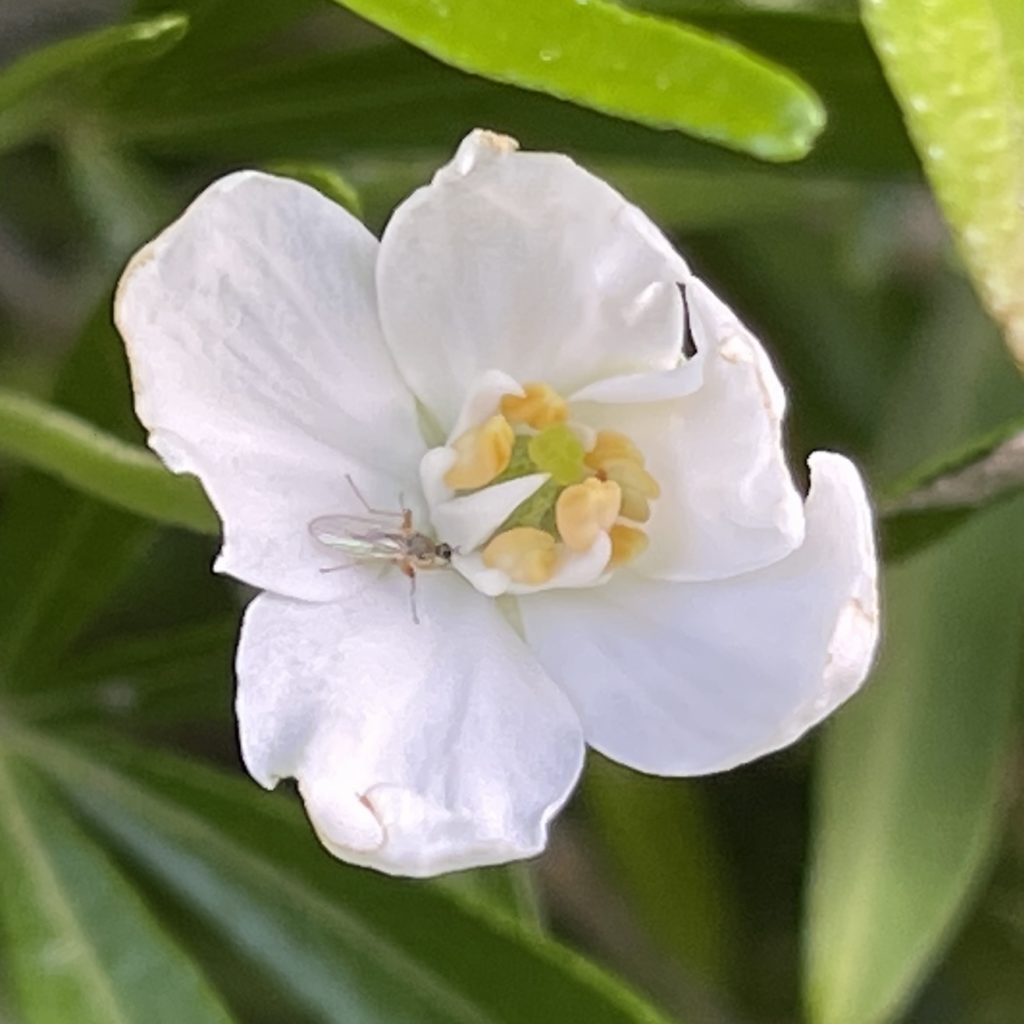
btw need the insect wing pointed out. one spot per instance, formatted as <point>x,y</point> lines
<point>358,537</point>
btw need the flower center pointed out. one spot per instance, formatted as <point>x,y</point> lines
<point>597,484</point>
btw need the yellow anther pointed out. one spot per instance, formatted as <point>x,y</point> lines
<point>627,543</point>
<point>525,554</point>
<point>638,487</point>
<point>584,510</point>
<point>540,407</point>
<point>610,444</point>
<point>482,454</point>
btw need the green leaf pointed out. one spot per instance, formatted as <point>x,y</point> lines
<point>80,944</point>
<point>957,68</point>
<point>648,69</point>
<point>392,100</point>
<point>945,492</point>
<point>44,86</point>
<point>910,794</point>
<point>340,943</point>
<point>63,554</point>
<point>100,465</point>
<point>661,841</point>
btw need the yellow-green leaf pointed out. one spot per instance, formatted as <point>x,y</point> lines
<point>957,68</point>
<point>644,68</point>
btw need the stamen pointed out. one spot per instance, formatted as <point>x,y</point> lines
<point>525,554</point>
<point>610,444</point>
<point>638,487</point>
<point>483,453</point>
<point>584,510</point>
<point>615,457</point>
<point>627,543</point>
<point>539,407</point>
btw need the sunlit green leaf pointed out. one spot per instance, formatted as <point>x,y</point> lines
<point>593,52</point>
<point>99,464</point>
<point>38,89</point>
<point>957,68</point>
<point>910,796</point>
<point>80,946</point>
<point>342,944</point>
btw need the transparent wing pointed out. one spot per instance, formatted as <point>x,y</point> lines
<point>358,537</point>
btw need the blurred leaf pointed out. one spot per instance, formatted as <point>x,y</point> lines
<point>173,675</point>
<point>63,554</point>
<point>661,840</point>
<point>326,180</point>
<point>100,465</point>
<point>37,89</point>
<point>911,782</point>
<point>644,68</point>
<point>120,198</point>
<point>947,491</point>
<point>343,943</point>
<point>957,68</point>
<point>80,944</point>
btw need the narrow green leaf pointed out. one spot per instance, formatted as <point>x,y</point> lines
<point>80,944</point>
<point>342,943</point>
<point>911,785</point>
<point>62,553</point>
<point>661,841</point>
<point>44,85</point>
<point>957,68</point>
<point>945,492</point>
<point>648,69</point>
<point>393,100</point>
<point>100,465</point>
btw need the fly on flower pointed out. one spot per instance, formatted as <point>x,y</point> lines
<point>383,535</point>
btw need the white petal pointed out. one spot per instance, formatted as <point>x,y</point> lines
<point>524,263</point>
<point>728,503</point>
<point>689,678</point>
<point>468,521</point>
<point>418,748</point>
<point>258,365</point>
<point>574,569</point>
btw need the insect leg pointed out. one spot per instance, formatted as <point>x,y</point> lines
<point>402,514</point>
<point>410,571</point>
<point>338,568</point>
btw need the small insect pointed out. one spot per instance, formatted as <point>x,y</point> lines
<point>381,536</point>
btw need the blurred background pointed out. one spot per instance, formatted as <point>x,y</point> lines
<point>873,873</point>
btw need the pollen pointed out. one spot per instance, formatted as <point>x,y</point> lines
<point>525,554</point>
<point>541,406</point>
<point>482,454</point>
<point>585,510</point>
<point>627,543</point>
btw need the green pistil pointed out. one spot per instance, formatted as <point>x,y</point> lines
<point>558,451</point>
<point>555,450</point>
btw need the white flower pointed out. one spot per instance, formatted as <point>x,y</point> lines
<point>634,568</point>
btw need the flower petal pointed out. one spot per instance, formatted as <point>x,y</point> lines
<point>258,365</point>
<point>525,263</point>
<point>690,678</point>
<point>728,503</point>
<point>418,748</point>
